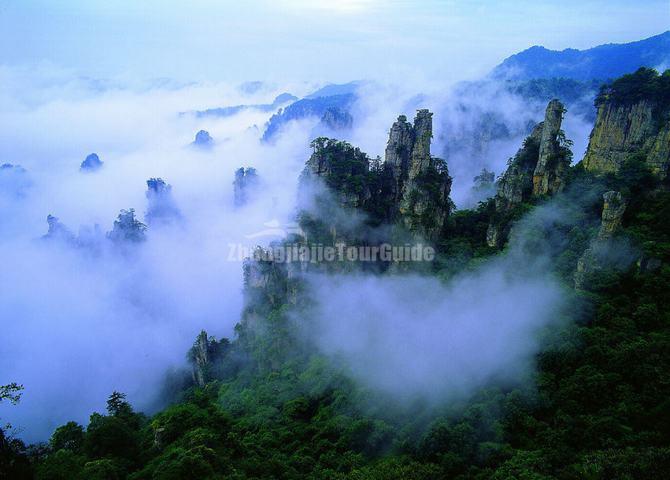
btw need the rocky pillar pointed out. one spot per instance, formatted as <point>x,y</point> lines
<point>200,358</point>
<point>595,257</point>
<point>548,164</point>
<point>613,209</point>
<point>399,150</point>
<point>423,134</point>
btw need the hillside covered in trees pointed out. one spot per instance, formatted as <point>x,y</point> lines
<point>268,403</point>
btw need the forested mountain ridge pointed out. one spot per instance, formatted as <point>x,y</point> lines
<point>267,404</point>
<point>632,119</point>
<point>604,62</point>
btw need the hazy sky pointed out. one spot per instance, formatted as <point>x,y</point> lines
<point>333,40</point>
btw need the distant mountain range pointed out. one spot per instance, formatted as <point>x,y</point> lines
<point>324,107</point>
<point>603,62</point>
<point>281,100</point>
<point>535,75</point>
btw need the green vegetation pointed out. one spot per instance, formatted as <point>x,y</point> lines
<point>357,180</point>
<point>644,84</point>
<point>271,407</point>
<point>544,89</point>
<point>599,408</point>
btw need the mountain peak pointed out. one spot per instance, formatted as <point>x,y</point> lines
<point>602,62</point>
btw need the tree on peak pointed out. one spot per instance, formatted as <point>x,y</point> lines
<point>68,437</point>
<point>161,205</point>
<point>643,84</point>
<point>117,406</point>
<point>157,185</point>
<point>127,228</point>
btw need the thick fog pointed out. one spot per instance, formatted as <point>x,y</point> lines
<point>82,316</point>
<point>417,337</point>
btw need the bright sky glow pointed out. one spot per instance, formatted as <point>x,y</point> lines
<point>290,40</point>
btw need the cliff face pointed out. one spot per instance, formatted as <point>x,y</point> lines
<point>624,130</point>
<point>516,184</point>
<point>161,205</point>
<point>548,177</point>
<point>633,120</point>
<point>199,356</point>
<point>204,356</point>
<point>595,257</point>
<point>423,134</point>
<point>410,186</point>
<point>344,169</point>
<point>421,182</point>
<point>614,207</point>
<point>540,165</point>
<point>408,148</point>
<point>336,118</point>
<point>658,157</point>
<point>246,181</point>
<point>538,168</point>
<point>399,152</point>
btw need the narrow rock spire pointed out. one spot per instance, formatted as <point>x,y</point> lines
<point>551,164</point>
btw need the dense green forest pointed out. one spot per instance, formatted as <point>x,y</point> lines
<point>266,405</point>
<point>644,84</point>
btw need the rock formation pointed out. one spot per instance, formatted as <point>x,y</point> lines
<point>266,282</point>
<point>246,180</point>
<point>539,168</point>
<point>204,354</point>
<point>399,151</point>
<point>14,180</point>
<point>360,199</point>
<point>516,183</point>
<point>267,285</point>
<point>58,231</point>
<point>408,149</point>
<point>614,207</point>
<point>91,163</point>
<point>316,105</point>
<point>336,118</point>
<point>203,139</point>
<point>127,228</point>
<point>483,187</point>
<point>594,257</point>
<point>552,165</point>
<point>199,356</point>
<point>624,130</point>
<point>162,208</point>
<point>410,186</point>
<point>345,170</point>
<point>423,135</point>
<point>631,121</point>
<point>421,182</point>
<point>89,238</point>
